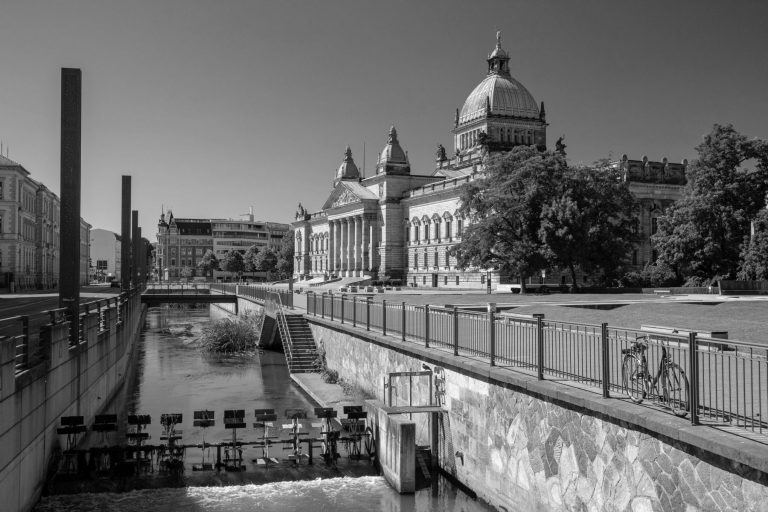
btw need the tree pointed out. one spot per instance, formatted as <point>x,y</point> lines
<point>588,225</point>
<point>754,264</point>
<point>248,258</point>
<point>208,262</point>
<point>233,262</point>
<point>703,235</point>
<point>265,261</point>
<point>504,209</point>
<point>285,255</point>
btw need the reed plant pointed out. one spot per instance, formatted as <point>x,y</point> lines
<point>232,335</point>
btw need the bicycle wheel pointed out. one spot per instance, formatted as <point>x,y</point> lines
<point>676,392</point>
<point>633,378</point>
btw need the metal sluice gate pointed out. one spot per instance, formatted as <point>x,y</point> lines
<point>136,456</point>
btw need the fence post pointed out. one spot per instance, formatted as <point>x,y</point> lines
<point>403,319</point>
<point>455,331</point>
<point>367,313</point>
<point>426,327</point>
<point>342,308</point>
<point>693,384</point>
<point>540,345</point>
<point>331,296</point>
<point>492,332</point>
<point>322,305</point>
<point>384,317</point>
<point>354,311</point>
<point>606,362</point>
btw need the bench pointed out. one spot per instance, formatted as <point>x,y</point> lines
<point>720,335</point>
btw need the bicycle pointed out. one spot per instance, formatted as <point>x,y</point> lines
<point>640,384</point>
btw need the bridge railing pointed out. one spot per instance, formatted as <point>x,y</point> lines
<point>24,330</point>
<point>260,293</point>
<point>728,380</point>
<point>178,288</point>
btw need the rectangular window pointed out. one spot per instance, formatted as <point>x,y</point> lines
<point>426,232</point>
<point>448,229</point>
<point>423,279</point>
<point>459,227</point>
<point>482,278</point>
<point>654,225</point>
<point>457,280</point>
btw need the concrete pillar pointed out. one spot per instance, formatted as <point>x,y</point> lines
<point>69,263</point>
<point>342,246</point>
<point>135,248</point>
<point>373,252</point>
<point>125,236</point>
<point>358,247</point>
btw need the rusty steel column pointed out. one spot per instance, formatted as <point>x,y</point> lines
<point>69,263</point>
<point>125,235</point>
<point>135,248</point>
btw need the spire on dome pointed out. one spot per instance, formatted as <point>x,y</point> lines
<point>498,60</point>
<point>393,159</point>
<point>347,170</point>
<point>392,135</point>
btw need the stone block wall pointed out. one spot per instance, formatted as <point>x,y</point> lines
<point>522,451</point>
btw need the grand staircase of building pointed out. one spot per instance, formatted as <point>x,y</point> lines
<point>298,343</point>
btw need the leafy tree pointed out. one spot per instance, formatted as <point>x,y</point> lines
<point>703,234</point>
<point>248,258</point>
<point>208,263</point>
<point>285,255</point>
<point>504,209</point>
<point>754,263</point>
<point>588,224</point>
<point>265,261</point>
<point>233,262</point>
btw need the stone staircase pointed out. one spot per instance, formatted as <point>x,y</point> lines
<point>302,352</point>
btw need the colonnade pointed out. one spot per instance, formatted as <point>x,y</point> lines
<point>352,244</point>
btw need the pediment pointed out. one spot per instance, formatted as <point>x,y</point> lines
<point>345,194</point>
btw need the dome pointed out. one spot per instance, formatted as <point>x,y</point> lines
<point>393,151</point>
<point>347,169</point>
<point>504,95</point>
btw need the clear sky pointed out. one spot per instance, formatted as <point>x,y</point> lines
<point>215,106</point>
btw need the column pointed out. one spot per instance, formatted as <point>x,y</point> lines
<point>373,250</point>
<point>331,239</point>
<point>342,252</point>
<point>365,227</point>
<point>357,228</point>
<point>350,246</point>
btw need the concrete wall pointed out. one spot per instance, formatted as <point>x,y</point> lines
<point>395,446</point>
<point>524,444</point>
<point>78,380</point>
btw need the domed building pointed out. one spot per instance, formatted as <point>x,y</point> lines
<point>398,225</point>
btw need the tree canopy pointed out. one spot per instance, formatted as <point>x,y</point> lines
<point>233,262</point>
<point>285,255</point>
<point>530,212</point>
<point>265,261</point>
<point>208,262</point>
<point>588,224</point>
<point>704,234</point>
<point>754,257</point>
<point>249,257</point>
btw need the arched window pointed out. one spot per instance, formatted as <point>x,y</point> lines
<point>416,260</point>
<point>426,233</point>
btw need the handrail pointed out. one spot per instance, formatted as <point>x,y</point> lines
<point>282,324</point>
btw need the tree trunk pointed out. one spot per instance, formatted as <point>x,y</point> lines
<point>522,284</point>
<point>573,276</point>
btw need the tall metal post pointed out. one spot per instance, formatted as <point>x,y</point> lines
<point>693,385</point>
<point>134,248</point>
<point>455,331</point>
<point>492,331</point>
<point>606,364</point>
<point>426,326</point>
<point>402,306</point>
<point>540,345</point>
<point>384,317</point>
<point>125,235</point>
<point>69,263</point>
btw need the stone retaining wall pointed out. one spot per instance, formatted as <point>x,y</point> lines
<point>524,450</point>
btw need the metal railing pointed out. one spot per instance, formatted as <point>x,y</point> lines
<point>728,380</point>
<point>282,325</point>
<point>181,288</point>
<point>259,293</point>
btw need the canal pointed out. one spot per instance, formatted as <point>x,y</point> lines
<point>173,376</point>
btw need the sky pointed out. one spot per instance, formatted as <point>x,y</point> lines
<point>217,106</point>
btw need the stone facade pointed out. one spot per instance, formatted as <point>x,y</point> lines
<point>519,451</point>
<point>400,225</point>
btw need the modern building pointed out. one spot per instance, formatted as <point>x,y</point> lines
<point>398,224</point>
<point>30,231</point>
<point>182,243</point>
<point>106,255</point>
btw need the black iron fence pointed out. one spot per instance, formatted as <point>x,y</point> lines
<point>259,293</point>
<point>725,381</point>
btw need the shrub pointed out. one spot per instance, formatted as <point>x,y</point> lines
<point>231,335</point>
<point>650,276</point>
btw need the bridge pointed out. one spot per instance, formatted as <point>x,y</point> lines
<point>157,294</point>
